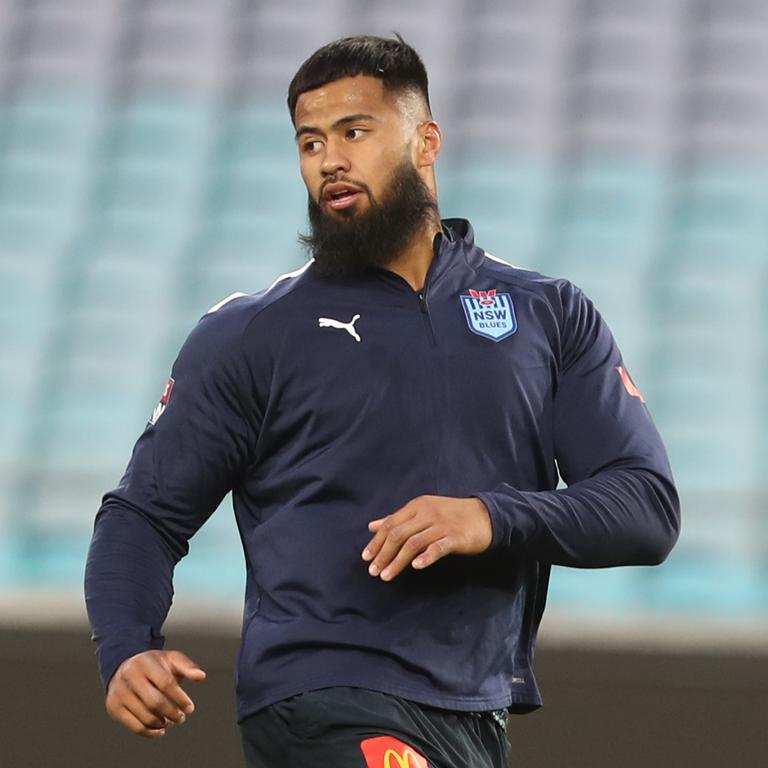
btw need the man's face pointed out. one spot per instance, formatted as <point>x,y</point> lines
<point>352,136</point>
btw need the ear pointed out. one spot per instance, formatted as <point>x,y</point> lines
<point>430,139</point>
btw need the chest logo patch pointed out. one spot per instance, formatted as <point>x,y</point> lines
<point>489,313</point>
<point>329,322</point>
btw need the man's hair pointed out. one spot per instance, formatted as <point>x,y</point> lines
<point>393,62</point>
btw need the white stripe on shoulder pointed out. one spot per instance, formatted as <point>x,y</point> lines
<point>231,297</point>
<point>295,273</point>
<point>501,261</point>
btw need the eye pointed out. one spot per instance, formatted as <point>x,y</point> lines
<point>311,146</point>
<point>355,133</point>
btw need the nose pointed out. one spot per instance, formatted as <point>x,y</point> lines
<point>334,159</point>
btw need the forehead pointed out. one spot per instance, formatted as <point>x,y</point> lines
<point>349,95</point>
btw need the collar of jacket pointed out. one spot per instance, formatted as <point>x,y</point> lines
<point>454,245</point>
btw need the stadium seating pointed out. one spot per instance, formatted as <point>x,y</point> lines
<point>147,169</point>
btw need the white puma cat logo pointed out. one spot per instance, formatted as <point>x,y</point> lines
<point>329,322</point>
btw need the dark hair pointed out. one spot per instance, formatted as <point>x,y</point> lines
<point>393,61</point>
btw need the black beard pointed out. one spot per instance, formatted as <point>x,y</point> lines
<point>348,246</point>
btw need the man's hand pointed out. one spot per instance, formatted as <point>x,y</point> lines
<point>424,530</point>
<point>144,694</point>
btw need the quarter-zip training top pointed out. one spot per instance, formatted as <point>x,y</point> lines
<point>326,403</point>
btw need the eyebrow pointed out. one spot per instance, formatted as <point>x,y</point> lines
<point>340,122</point>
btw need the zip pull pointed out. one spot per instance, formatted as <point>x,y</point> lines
<point>422,301</point>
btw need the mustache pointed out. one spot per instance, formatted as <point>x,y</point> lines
<point>343,180</point>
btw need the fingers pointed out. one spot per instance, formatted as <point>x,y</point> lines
<point>386,526</point>
<point>412,550</point>
<point>135,707</point>
<point>183,666</point>
<point>165,677</point>
<point>156,701</point>
<point>145,694</point>
<point>401,538</point>
<point>391,533</point>
<point>426,529</point>
<point>133,723</point>
<point>433,553</point>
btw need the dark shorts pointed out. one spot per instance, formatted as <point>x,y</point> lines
<point>357,728</point>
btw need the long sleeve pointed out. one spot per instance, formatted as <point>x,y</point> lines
<point>620,506</point>
<point>190,455</point>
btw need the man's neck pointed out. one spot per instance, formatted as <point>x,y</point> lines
<point>413,262</point>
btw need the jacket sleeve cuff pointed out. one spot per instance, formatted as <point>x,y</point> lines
<point>112,653</point>
<point>512,523</point>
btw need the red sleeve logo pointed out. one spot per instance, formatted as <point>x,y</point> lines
<point>629,385</point>
<point>163,404</point>
<point>389,752</point>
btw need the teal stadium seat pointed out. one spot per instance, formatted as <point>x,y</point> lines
<point>245,258</point>
<point>603,235</point>
<point>255,209</point>
<point>52,122</point>
<point>28,294</point>
<point>46,163</point>
<point>507,203</point>
<point>164,131</point>
<point>708,365</point>
<point>712,325</point>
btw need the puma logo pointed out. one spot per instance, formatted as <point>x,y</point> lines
<point>329,322</point>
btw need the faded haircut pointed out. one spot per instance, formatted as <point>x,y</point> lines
<point>392,61</point>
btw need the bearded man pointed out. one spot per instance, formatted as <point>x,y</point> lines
<point>393,420</point>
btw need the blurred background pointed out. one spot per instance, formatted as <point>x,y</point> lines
<point>148,169</point>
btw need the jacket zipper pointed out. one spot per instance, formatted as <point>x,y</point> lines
<point>422,297</point>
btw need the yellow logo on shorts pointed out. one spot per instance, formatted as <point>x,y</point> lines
<point>403,761</point>
<point>389,752</point>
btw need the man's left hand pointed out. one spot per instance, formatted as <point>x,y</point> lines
<point>424,530</point>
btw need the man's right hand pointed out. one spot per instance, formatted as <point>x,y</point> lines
<point>145,694</point>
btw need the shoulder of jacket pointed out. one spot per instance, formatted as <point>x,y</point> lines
<point>220,330</point>
<point>552,288</point>
<point>241,307</point>
<point>564,299</point>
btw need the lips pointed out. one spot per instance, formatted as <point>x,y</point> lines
<point>340,194</point>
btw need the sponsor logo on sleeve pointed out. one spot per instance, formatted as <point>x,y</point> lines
<point>163,404</point>
<point>489,313</point>
<point>389,752</point>
<point>629,385</point>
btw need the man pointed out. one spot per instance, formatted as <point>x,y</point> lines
<point>391,419</point>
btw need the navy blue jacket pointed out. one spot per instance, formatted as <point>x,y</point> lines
<point>324,404</point>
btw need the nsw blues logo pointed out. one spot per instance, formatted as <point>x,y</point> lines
<point>490,314</point>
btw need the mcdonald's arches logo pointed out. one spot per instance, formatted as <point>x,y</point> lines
<point>389,752</point>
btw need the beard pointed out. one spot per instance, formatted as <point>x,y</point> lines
<point>344,245</point>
